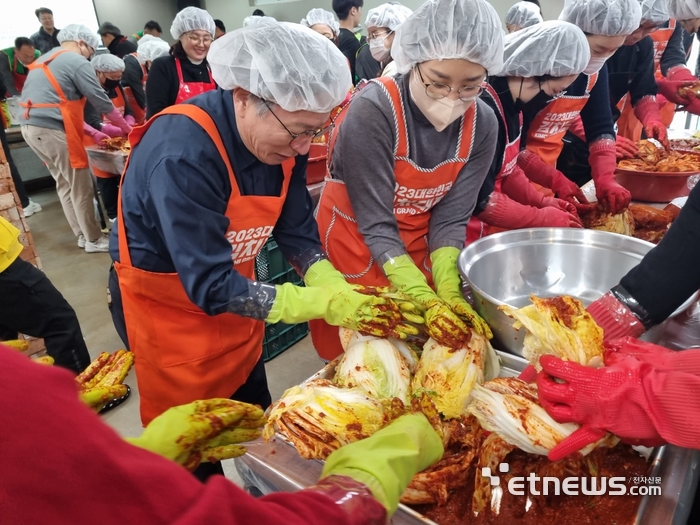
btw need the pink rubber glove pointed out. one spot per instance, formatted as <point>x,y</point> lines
<point>625,148</point>
<point>614,318</point>
<point>602,159</point>
<point>130,120</point>
<point>116,118</point>
<point>647,111</point>
<point>112,131</point>
<point>353,497</point>
<point>676,78</point>
<point>96,136</point>
<point>662,359</point>
<point>504,212</point>
<point>545,175</point>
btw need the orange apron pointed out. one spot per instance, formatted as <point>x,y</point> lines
<point>476,229</point>
<point>550,125</point>
<point>181,353</point>
<point>187,90</point>
<point>627,125</point>
<point>118,102</point>
<point>71,112</point>
<point>139,114</point>
<point>417,191</point>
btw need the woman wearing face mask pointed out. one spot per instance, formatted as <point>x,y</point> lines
<point>382,23</point>
<point>522,15</point>
<point>606,24</point>
<point>185,73</point>
<point>109,70</point>
<point>540,61</point>
<point>323,22</point>
<point>429,141</point>
<point>135,76</point>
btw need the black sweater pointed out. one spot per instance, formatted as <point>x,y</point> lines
<point>162,84</point>
<point>121,46</point>
<point>133,78</point>
<point>631,69</point>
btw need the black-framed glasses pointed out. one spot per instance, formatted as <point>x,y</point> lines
<point>299,139</point>
<point>436,91</point>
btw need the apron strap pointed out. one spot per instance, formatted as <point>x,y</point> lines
<point>178,67</point>
<point>391,90</point>
<point>52,80</point>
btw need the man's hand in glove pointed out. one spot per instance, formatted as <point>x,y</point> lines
<point>625,148</point>
<point>207,430</point>
<point>662,359</point>
<point>96,136</point>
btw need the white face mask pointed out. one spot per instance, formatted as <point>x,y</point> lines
<point>440,112</point>
<point>594,64</point>
<point>377,49</point>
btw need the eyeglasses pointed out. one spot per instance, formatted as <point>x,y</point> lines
<point>299,139</point>
<point>373,36</point>
<point>196,39</point>
<point>436,91</point>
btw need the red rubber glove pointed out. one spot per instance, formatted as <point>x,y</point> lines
<point>354,498</point>
<point>96,136</point>
<point>519,188</point>
<point>625,148</point>
<point>560,204</point>
<point>504,212</point>
<point>615,318</point>
<point>602,158</point>
<point>693,107</point>
<point>130,120</point>
<point>676,78</point>
<point>647,111</point>
<point>112,131</point>
<point>662,359</point>
<point>117,119</point>
<point>545,175</point>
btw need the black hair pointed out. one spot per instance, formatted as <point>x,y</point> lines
<point>43,11</point>
<point>177,50</point>
<point>218,23</point>
<point>543,78</point>
<point>23,41</point>
<point>258,12</point>
<point>536,2</point>
<point>152,24</point>
<point>108,28</point>
<point>342,7</point>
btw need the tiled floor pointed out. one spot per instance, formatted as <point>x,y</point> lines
<point>82,279</point>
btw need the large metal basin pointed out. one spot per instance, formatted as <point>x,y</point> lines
<point>505,268</point>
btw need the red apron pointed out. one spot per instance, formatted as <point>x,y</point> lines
<point>627,125</point>
<point>550,125</point>
<point>476,229</point>
<point>188,90</point>
<point>139,114</point>
<point>71,112</point>
<point>118,101</point>
<point>417,191</point>
<point>181,353</point>
<point>19,79</point>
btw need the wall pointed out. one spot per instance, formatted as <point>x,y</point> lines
<point>131,15</point>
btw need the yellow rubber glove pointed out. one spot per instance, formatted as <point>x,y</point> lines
<point>386,461</point>
<point>449,288</point>
<point>207,430</point>
<point>6,112</point>
<point>322,273</point>
<point>441,322</point>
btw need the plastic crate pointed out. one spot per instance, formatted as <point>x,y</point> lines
<point>279,337</point>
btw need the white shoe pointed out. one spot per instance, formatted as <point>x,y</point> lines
<point>101,245</point>
<point>31,208</point>
<point>81,241</point>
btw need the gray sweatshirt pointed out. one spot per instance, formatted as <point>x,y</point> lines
<point>76,77</point>
<point>363,158</point>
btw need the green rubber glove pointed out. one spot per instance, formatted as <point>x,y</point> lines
<point>322,273</point>
<point>442,324</point>
<point>386,461</point>
<point>207,430</point>
<point>449,288</point>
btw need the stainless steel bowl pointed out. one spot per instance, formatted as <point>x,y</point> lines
<point>505,268</point>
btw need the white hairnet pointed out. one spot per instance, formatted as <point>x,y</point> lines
<point>654,11</point>
<point>252,20</point>
<point>553,48</point>
<point>450,29</point>
<point>107,63</point>
<point>192,19</point>
<point>287,64</point>
<point>152,48</point>
<point>75,32</point>
<point>321,16</point>
<point>523,14</point>
<point>390,15</point>
<point>603,17</point>
<point>684,9</point>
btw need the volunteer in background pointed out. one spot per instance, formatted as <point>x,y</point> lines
<point>185,73</point>
<point>206,184</point>
<point>47,37</point>
<point>14,62</point>
<point>606,23</point>
<point>109,69</point>
<point>349,12</point>
<point>136,70</point>
<point>323,22</point>
<point>382,23</point>
<point>522,15</point>
<point>30,207</point>
<point>360,483</point>
<point>539,62</point>
<point>31,305</point>
<point>54,96</point>
<point>431,142</point>
<point>631,82</point>
<point>220,29</point>
<point>151,28</point>
<point>114,41</point>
